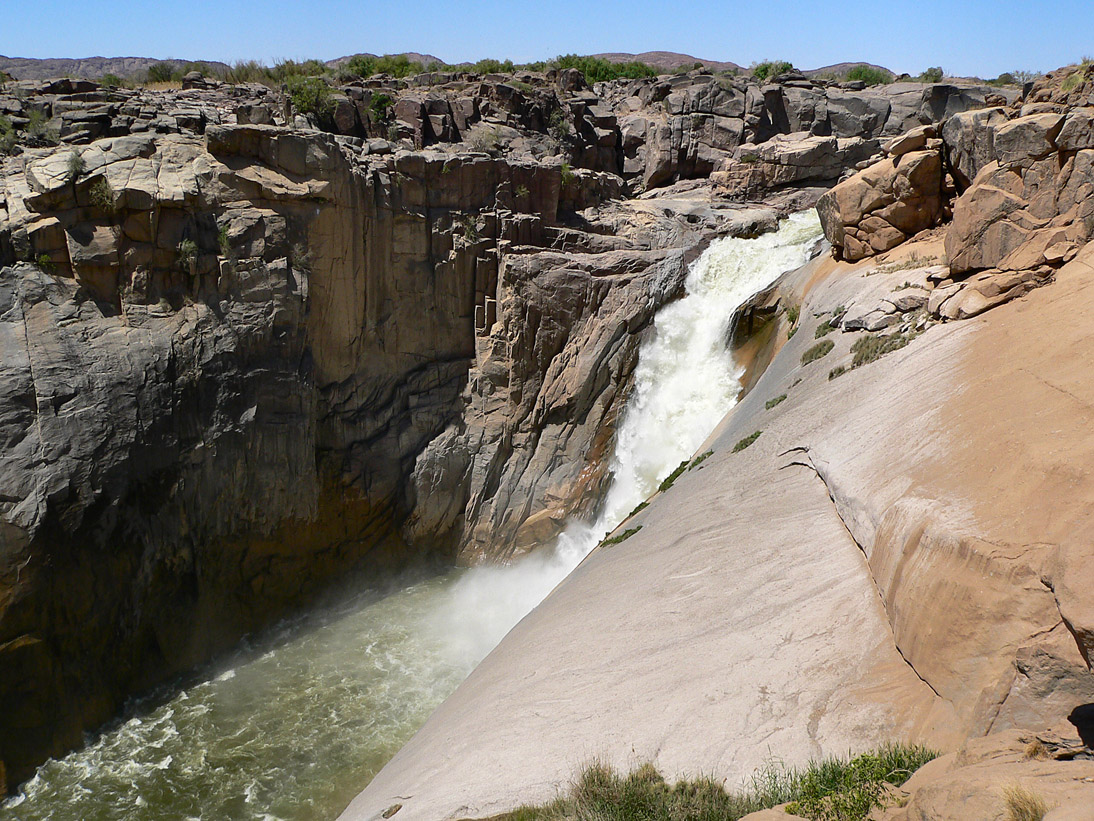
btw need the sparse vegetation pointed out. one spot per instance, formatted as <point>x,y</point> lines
<point>824,329</point>
<point>161,73</point>
<point>484,140</point>
<point>380,105</point>
<point>102,196</point>
<point>1023,804</point>
<point>622,537</point>
<point>840,790</point>
<point>792,313</point>
<point>187,255</point>
<point>828,787</point>
<point>638,508</point>
<point>7,135</point>
<point>668,481</point>
<point>568,176</point>
<point>748,440</point>
<point>700,459</point>
<point>45,262</point>
<point>469,227</point>
<point>869,75</point>
<point>932,75</point>
<point>817,351</point>
<point>75,167</point>
<point>38,127</point>
<point>114,81</point>
<point>311,95</point>
<point>597,69</point>
<point>300,258</point>
<point>836,372</point>
<point>770,403</point>
<point>769,69</point>
<point>522,191</point>
<point>558,126</point>
<point>870,348</point>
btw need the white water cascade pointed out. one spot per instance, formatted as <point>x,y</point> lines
<point>294,727</point>
<point>685,382</point>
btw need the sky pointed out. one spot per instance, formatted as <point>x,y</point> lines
<point>975,38</point>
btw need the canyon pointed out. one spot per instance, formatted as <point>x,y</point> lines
<point>252,354</point>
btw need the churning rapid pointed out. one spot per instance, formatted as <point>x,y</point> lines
<point>294,728</point>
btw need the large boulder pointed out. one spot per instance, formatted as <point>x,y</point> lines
<point>969,140</point>
<point>880,207</point>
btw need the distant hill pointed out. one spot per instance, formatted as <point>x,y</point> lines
<point>413,56</point>
<point>841,69</point>
<point>667,60</point>
<point>88,68</point>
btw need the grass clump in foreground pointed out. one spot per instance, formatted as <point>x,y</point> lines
<point>817,351</point>
<point>1024,805</point>
<point>770,403</point>
<point>748,440</point>
<point>835,789</point>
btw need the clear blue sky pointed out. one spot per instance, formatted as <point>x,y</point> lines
<point>979,37</point>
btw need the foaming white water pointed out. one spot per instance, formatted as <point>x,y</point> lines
<point>685,382</point>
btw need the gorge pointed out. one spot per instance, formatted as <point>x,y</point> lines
<point>249,361</point>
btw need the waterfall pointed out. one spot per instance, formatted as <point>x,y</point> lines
<point>684,383</point>
<point>293,728</point>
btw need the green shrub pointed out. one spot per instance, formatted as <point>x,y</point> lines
<point>840,790</point>
<point>870,348</point>
<point>749,159</point>
<point>817,351</point>
<point>622,537</point>
<point>380,105</point>
<point>869,75</point>
<point>770,403</point>
<point>792,313</point>
<point>7,135</point>
<point>638,508</point>
<point>668,481</point>
<point>470,228</point>
<point>396,65</point>
<point>700,459</point>
<point>558,126</point>
<point>75,166</point>
<point>824,329</point>
<point>748,440</point>
<point>38,127</point>
<point>484,140</point>
<point>522,191</point>
<point>790,333</point>
<point>932,75</point>
<point>187,254</point>
<point>837,372</point>
<point>248,71</point>
<point>597,69</point>
<point>45,262</point>
<point>490,66</point>
<point>163,73</point>
<point>285,70</point>
<point>311,95</point>
<point>102,196</point>
<point>568,176</point>
<point>770,69</point>
<point>113,81</point>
